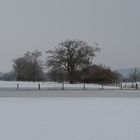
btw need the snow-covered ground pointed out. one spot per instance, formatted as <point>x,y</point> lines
<point>50,85</point>
<point>55,85</point>
<point>69,118</point>
<point>131,85</point>
<point>75,115</point>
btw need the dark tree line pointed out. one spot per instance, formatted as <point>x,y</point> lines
<point>133,77</point>
<point>71,60</point>
<point>101,75</point>
<point>8,76</point>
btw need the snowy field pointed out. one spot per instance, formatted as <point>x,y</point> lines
<point>52,89</point>
<point>68,114</point>
<point>69,118</point>
<point>49,85</point>
<point>70,93</point>
<point>57,86</point>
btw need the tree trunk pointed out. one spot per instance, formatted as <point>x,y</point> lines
<point>102,86</point>
<point>71,80</point>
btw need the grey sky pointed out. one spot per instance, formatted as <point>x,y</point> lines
<point>42,24</point>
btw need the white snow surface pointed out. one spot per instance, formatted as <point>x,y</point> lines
<point>68,114</point>
<point>69,118</point>
<point>51,85</point>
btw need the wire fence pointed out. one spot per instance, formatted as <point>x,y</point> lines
<point>135,86</point>
<point>66,86</point>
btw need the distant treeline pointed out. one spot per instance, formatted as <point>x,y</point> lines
<point>71,60</point>
<point>8,76</point>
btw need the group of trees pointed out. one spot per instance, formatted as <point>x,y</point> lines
<point>133,77</point>
<point>71,60</point>
<point>29,67</point>
<point>7,76</point>
<point>71,56</point>
<point>100,74</point>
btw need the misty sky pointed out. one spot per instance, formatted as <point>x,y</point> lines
<point>42,24</point>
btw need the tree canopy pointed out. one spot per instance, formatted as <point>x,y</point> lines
<point>71,56</point>
<point>101,75</point>
<point>29,67</point>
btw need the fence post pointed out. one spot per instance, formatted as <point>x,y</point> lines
<point>136,86</point>
<point>17,87</point>
<point>121,86</point>
<point>84,86</point>
<point>39,86</point>
<point>63,86</point>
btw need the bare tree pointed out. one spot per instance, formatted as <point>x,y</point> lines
<point>28,67</point>
<point>71,55</point>
<point>134,76</point>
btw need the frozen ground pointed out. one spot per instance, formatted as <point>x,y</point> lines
<point>69,118</point>
<point>70,93</point>
<point>53,85</point>
<point>49,85</point>
<point>68,114</point>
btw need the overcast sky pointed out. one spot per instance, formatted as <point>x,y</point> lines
<point>42,24</point>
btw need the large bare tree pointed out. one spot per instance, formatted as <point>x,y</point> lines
<point>71,56</point>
